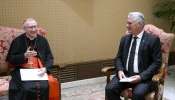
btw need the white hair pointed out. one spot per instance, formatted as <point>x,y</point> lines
<point>138,17</point>
<point>28,19</point>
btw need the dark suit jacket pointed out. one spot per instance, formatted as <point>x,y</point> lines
<point>18,47</point>
<point>149,55</point>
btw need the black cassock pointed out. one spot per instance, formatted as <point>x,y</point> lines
<point>28,90</point>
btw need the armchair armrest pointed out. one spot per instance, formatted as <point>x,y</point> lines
<point>56,71</point>
<point>108,69</point>
<point>157,77</point>
<point>59,67</point>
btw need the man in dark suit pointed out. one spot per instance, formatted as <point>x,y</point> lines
<point>139,58</point>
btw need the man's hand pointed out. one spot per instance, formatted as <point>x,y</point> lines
<point>30,53</point>
<point>136,79</point>
<point>42,71</point>
<point>121,75</point>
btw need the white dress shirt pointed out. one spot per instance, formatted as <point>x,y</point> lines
<point>139,37</point>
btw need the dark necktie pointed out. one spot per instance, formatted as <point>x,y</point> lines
<point>131,58</point>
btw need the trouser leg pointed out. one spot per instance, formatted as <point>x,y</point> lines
<point>114,88</point>
<point>140,90</point>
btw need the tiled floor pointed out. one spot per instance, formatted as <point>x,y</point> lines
<point>95,89</point>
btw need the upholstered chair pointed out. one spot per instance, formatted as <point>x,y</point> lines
<point>158,79</point>
<point>6,36</point>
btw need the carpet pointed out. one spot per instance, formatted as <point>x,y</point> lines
<point>86,92</point>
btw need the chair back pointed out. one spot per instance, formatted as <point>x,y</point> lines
<point>6,36</point>
<point>166,40</point>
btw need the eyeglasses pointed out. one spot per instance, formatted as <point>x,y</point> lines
<point>31,27</point>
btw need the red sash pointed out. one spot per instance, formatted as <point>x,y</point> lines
<point>53,83</point>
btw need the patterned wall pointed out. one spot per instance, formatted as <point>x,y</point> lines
<point>77,30</point>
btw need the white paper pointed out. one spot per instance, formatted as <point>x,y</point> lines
<point>126,80</point>
<point>31,75</point>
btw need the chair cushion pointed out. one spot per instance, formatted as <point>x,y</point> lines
<point>4,85</point>
<point>127,93</point>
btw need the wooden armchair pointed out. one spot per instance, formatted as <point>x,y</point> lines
<point>159,79</point>
<point>6,36</point>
